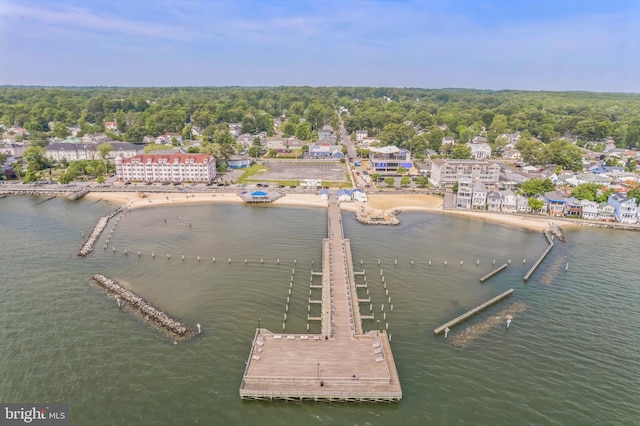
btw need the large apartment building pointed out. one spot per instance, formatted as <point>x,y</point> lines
<point>444,172</point>
<point>167,168</point>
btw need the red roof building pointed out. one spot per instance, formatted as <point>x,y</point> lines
<point>167,168</point>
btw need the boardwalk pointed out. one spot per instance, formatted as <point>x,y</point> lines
<point>341,364</point>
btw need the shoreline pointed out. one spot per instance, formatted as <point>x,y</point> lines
<point>377,203</point>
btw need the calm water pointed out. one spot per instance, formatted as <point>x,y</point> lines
<point>571,358</point>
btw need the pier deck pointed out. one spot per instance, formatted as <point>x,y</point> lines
<point>341,363</point>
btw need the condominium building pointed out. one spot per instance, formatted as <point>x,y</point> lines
<point>445,172</point>
<point>167,168</point>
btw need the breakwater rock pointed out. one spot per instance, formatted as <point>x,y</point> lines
<point>87,246</point>
<point>78,194</point>
<point>556,231</point>
<point>377,217</point>
<point>154,316</point>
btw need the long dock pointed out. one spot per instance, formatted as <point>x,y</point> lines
<point>544,254</point>
<point>494,272</point>
<point>339,364</point>
<point>462,318</point>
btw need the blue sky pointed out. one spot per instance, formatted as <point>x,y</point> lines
<point>484,44</point>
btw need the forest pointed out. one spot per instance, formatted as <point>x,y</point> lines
<point>407,117</point>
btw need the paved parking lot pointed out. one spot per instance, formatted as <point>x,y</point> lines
<point>328,171</point>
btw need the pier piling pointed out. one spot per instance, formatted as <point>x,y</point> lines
<point>472,312</point>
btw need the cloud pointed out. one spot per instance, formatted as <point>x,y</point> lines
<point>84,19</point>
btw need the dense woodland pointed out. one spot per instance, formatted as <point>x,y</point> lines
<point>410,118</point>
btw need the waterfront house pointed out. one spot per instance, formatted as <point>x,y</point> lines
<point>555,203</point>
<point>625,209</point>
<point>463,200</point>
<point>522,204</point>
<point>494,201</point>
<point>479,196</point>
<point>508,204</point>
<point>589,210</point>
<point>572,207</point>
<point>606,213</point>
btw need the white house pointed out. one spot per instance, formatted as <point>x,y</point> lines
<point>480,151</point>
<point>361,134</point>
<point>509,204</point>
<point>589,210</point>
<point>167,168</point>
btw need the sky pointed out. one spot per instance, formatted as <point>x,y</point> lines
<point>589,45</point>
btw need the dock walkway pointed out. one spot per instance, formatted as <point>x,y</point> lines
<point>341,363</point>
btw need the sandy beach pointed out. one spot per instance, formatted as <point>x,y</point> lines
<point>380,202</point>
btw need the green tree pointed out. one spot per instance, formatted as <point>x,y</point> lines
<point>499,123</point>
<point>422,182</point>
<point>288,129</point>
<point>402,170</point>
<point>537,186</point>
<point>634,193</point>
<point>303,131</point>
<point>461,151</point>
<point>36,160</point>
<point>389,181</point>
<point>375,177</point>
<point>254,151</point>
<point>631,165</point>
<point>405,181</point>
<point>454,188</point>
<point>396,134</point>
<point>535,204</point>
<point>65,178</point>
<point>31,176</point>
<point>193,150</point>
<point>586,191</point>
<point>104,150</point>
<point>60,130</point>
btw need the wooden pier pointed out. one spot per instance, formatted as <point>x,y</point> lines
<point>338,364</point>
<point>494,272</point>
<point>462,318</point>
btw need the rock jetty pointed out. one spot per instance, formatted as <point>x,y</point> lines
<point>154,316</point>
<point>76,195</point>
<point>87,246</point>
<point>377,217</point>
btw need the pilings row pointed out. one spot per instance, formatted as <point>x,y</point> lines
<point>494,272</point>
<point>160,320</point>
<point>87,246</point>
<point>473,311</point>
<point>544,254</point>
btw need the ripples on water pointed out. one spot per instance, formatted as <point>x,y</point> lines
<point>570,358</point>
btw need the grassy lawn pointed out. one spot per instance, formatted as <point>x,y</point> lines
<point>156,147</point>
<point>251,171</point>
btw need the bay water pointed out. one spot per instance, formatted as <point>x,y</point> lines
<point>572,357</point>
